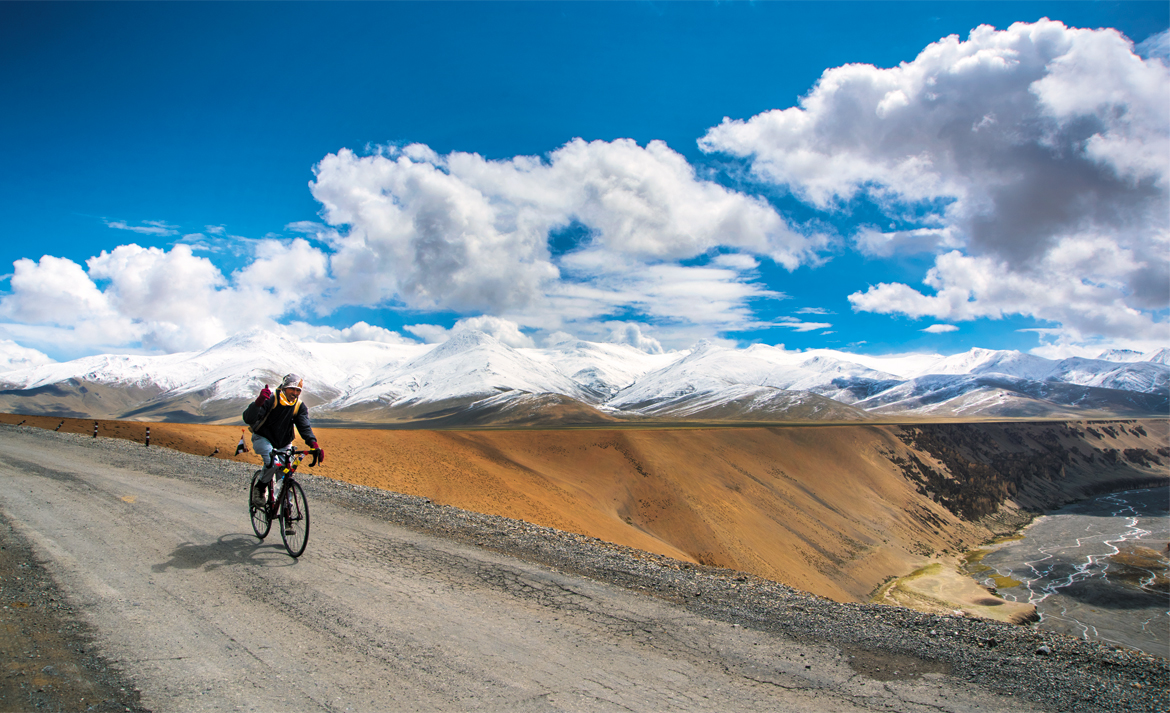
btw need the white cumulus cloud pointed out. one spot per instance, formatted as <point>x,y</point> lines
<point>506,331</point>
<point>1016,152</point>
<point>172,298</point>
<point>283,276</point>
<point>14,356</point>
<point>631,333</point>
<point>358,332</point>
<point>969,288</point>
<point>158,300</point>
<point>464,233</point>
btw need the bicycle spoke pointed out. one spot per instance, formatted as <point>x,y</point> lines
<point>261,522</point>
<point>294,521</point>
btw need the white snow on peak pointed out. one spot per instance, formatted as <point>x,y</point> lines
<point>601,368</point>
<point>990,361</point>
<point>1139,375</point>
<point>237,367</point>
<point>472,366</point>
<point>1160,356</point>
<point>1120,355</point>
<point>717,370</point>
<point>897,365</point>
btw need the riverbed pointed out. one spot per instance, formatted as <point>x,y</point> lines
<point>1096,569</point>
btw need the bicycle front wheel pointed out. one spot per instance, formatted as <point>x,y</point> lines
<point>259,514</point>
<point>294,519</point>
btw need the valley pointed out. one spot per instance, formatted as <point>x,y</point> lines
<point>833,509</point>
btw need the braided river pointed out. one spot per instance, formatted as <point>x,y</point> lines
<point>1096,569</point>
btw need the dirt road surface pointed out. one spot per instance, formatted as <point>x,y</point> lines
<point>199,615</point>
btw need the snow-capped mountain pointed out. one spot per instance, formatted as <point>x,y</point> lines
<point>1158,356</point>
<point>1161,356</point>
<point>1010,396</point>
<point>989,361</point>
<point>469,367</point>
<point>474,379</point>
<point>761,380</point>
<point>1120,355</point>
<point>601,369</point>
<point>212,383</point>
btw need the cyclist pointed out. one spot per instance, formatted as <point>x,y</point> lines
<point>272,418</point>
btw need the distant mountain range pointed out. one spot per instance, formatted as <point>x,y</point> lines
<point>473,379</point>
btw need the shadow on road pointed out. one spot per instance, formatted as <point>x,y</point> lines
<point>233,549</point>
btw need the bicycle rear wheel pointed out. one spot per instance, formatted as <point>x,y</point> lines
<point>294,519</point>
<point>260,521</point>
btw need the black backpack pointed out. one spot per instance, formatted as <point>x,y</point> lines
<point>255,426</point>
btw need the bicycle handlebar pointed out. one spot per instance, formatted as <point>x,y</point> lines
<point>292,451</point>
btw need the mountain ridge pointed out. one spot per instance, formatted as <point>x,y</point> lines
<point>474,379</point>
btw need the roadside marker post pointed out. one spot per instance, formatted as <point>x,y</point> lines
<point>148,436</point>
<point>59,425</point>
<point>95,429</point>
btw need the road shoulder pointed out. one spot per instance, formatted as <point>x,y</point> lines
<point>50,658</point>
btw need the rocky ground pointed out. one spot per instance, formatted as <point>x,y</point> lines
<point>50,662</point>
<point>50,666</point>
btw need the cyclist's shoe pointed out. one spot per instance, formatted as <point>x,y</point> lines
<point>288,530</point>
<point>258,496</point>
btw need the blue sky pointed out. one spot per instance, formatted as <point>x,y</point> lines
<point>191,133</point>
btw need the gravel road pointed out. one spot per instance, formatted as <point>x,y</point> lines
<point>146,559</point>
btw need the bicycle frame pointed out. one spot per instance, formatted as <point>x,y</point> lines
<point>285,460</point>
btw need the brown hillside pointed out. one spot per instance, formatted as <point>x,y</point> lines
<point>834,510</point>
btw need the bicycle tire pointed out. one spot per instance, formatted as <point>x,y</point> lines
<point>294,519</point>
<point>261,523</point>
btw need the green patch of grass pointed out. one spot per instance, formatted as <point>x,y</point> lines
<point>974,557</point>
<point>929,569</point>
<point>1007,538</point>
<point>1002,582</point>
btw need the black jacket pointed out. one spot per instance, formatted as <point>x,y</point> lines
<point>278,429</point>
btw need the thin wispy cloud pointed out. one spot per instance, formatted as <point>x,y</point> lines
<point>1156,47</point>
<point>307,227</point>
<point>802,326</point>
<point>147,227</point>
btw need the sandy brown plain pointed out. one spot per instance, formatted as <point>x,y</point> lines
<point>820,507</point>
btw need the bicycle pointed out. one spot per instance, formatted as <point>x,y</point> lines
<point>289,506</point>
